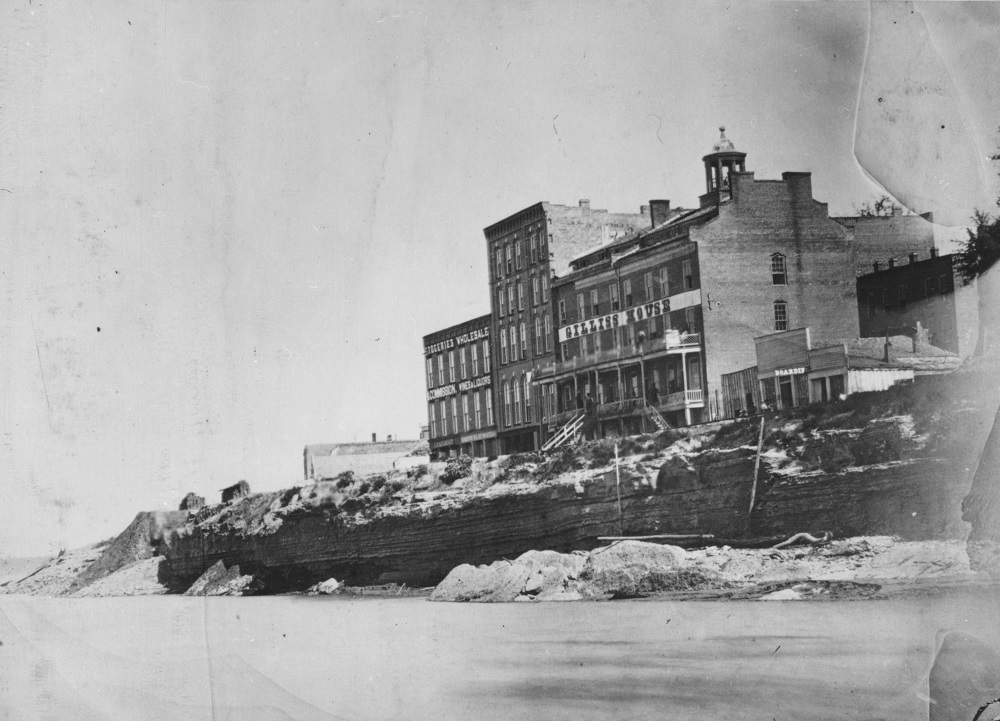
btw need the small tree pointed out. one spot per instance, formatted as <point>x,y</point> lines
<point>880,207</point>
<point>979,253</point>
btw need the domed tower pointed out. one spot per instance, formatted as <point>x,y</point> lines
<point>723,161</point>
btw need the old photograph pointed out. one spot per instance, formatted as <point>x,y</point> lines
<point>504,360</point>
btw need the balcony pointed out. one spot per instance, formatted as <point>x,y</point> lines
<point>684,399</point>
<point>684,342</point>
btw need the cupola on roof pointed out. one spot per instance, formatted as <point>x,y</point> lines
<point>723,144</point>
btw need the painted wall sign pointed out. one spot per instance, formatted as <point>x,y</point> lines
<point>474,383</point>
<point>631,315</point>
<point>441,392</point>
<point>482,436</point>
<point>789,371</point>
<point>448,343</point>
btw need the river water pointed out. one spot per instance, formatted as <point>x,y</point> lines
<point>172,657</point>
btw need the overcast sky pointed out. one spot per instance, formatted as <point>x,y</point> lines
<point>227,225</point>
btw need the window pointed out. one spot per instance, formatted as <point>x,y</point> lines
<point>441,369</point>
<point>545,288</point>
<point>902,297</point>
<point>506,403</point>
<point>648,283</point>
<point>613,294</point>
<point>520,296</point>
<point>486,356</point>
<point>510,299</point>
<point>664,284</point>
<point>510,260</point>
<point>534,290</point>
<point>451,366</point>
<point>581,307</point>
<point>433,419</point>
<point>513,343</point>
<point>564,351</point>
<point>538,334</point>
<point>430,372</point>
<point>475,359</point>
<point>517,253</point>
<point>562,311</point>
<point>524,341</point>
<point>690,318</point>
<point>499,269</point>
<point>517,401</point>
<point>931,286</point>
<point>534,247</point>
<point>442,419</point>
<point>548,333</point>
<point>886,302</point>
<point>461,363</point>
<point>595,306</point>
<point>501,305</point>
<point>628,335</point>
<point>477,409</point>
<point>489,406</point>
<point>627,292</point>
<point>777,269</point>
<point>527,399</point>
<point>454,415</point>
<point>466,418</point>
<point>503,346</point>
<point>780,315</point>
<point>688,277</point>
<point>945,283</point>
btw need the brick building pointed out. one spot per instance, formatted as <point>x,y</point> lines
<point>460,397</point>
<point>921,296</point>
<point>525,251</point>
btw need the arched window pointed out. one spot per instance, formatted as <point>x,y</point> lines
<point>520,295</point>
<point>524,341</point>
<point>780,315</point>
<point>510,298</point>
<point>527,399</point>
<point>778,276</point>
<point>503,346</point>
<point>517,401</point>
<point>513,343</point>
<point>538,334</point>
<point>506,403</point>
<point>548,332</point>
<point>501,304</point>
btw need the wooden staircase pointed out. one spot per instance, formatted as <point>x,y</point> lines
<point>654,415</point>
<point>566,433</point>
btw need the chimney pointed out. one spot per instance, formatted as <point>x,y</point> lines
<point>659,211</point>
<point>888,345</point>
<point>373,437</point>
<point>913,258</point>
<point>584,204</point>
<point>892,263</point>
<point>875,265</point>
<point>800,186</point>
<point>897,209</point>
<point>934,253</point>
<point>388,439</point>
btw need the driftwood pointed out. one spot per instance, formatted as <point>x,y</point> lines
<point>804,537</point>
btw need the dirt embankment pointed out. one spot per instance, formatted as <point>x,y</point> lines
<point>894,463</point>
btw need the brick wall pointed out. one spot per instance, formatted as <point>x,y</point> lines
<point>738,294</point>
<point>893,236</point>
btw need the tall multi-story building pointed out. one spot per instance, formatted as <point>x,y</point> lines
<point>460,399</point>
<point>633,319</point>
<point>525,251</point>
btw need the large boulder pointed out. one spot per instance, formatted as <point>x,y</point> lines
<point>633,568</point>
<point>497,583</point>
<point>220,581</point>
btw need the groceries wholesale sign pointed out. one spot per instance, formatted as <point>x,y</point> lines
<point>449,343</point>
<point>630,315</point>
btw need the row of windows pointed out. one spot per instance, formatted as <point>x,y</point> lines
<point>515,256</point>
<point>897,297</point>
<point>516,394</point>
<point>468,365</point>
<point>518,345</point>
<point>446,420</point>
<point>511,297</point>
<point>654,286</point>
<point>625,336</point>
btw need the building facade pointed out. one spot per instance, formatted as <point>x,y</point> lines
<point>525,252</point>
<point>460,396</point>
<point>922,297</point>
